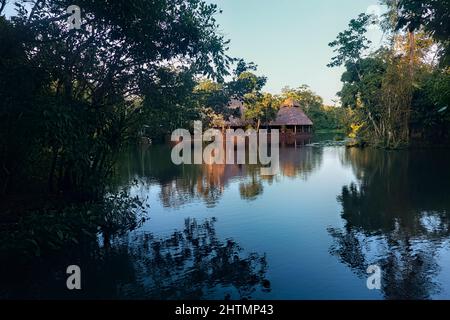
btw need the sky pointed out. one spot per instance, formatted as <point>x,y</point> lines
<point>288,39</point>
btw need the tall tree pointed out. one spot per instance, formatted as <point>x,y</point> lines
<point>261,108</point>
<point>375,85</point>
<point>431,16</point>
<point>123,50</point>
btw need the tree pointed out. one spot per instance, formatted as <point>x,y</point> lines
<point>307,99</point>
<point>212,99</point>
<point>245,81</point>
<point>260,107</point>
<point>84,110</point>
<point>430,106</point>
<point>21,84</point>
<point>432,16</point>
<point>351,43</point>
<point>375,85</point>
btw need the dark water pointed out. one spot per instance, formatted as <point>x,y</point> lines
<point>218,232</point>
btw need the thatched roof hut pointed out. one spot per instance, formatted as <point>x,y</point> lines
<point>291,114</point>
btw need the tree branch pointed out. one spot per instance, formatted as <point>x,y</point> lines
<point>2,5</point>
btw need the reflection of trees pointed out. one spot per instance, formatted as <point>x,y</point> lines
<point>192,263</point>
<point>300,162</point>
<point>186,183</point>
<point>189,264</point>
<point>251,190</point>
<point>205,182</point>
<point>397,216</point>
<point>408,270</point>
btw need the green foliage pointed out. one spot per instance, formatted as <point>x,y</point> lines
<point>169,105</point>
<point>432,16</point>
<point>430,106</point>
<point>41,232</point>
<point>391,92</point>
<point>246,82</point>
<point>351,43</point>
<point>303,95</point>
<point>212,98</point>
<point>72,98</point>
<point>260,107</point>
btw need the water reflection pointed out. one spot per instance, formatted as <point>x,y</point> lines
<point>180,185</point>
<point>191,263</point>
<point>300,162</point>
<point>397,215</point>
<point>329,209</point>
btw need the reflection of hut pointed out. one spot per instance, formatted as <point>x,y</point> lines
<point>291,118</point>
<point>299,162</point>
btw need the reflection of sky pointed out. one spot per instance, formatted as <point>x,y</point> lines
<point>443,277</point>
<point>288,222</point>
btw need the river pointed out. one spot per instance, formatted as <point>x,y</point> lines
<point>310,232</point>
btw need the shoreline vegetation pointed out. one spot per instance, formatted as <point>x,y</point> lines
<point>72,100</point>
<point>398,95</point>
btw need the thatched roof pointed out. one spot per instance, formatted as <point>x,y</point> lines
<point>291,114</point>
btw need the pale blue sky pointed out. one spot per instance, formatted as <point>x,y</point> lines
<point>288,39</point>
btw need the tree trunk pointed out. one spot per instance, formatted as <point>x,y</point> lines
<point>412,49</point>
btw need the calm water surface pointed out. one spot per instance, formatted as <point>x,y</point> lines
<point>308,233</point>
<point>218,232</point>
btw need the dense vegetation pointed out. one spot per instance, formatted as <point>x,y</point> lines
<point>70,99</point>
<point>399,94</point>
<point>261,107</point>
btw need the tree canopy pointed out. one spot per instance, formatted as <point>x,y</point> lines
<point>76,96</point>
<point>390,90</point>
